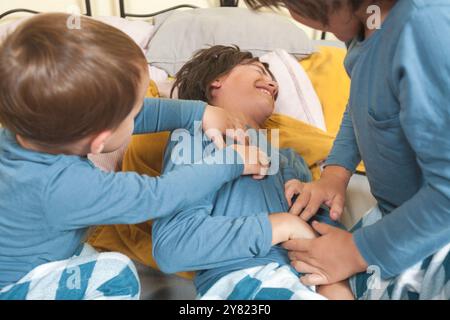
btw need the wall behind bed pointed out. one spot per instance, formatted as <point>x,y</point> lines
<point>111,7</point>
<point>100,7</point>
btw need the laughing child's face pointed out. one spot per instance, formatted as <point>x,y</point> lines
<point>249,89</point>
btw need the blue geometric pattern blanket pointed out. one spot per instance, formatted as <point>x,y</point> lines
<point>427,280</point>
<point>88,275</point>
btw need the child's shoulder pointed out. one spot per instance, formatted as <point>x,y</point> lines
<point>409,10</point>
<point>427,3</point>
<point>421,21</point>
<point>36,164</point>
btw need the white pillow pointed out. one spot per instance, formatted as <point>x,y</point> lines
<point>297,97</point>
<point>180,34</point>
<point>140,31</point>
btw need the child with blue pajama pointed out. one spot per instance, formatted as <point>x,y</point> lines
<point>231,237</point>
<point>63,94</point>
<point>397,121</point>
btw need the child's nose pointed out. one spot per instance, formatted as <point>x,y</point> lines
<point>274,87</point>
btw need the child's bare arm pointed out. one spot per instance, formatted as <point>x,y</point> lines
<point>286,226</point>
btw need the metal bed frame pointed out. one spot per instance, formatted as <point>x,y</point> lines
<point>223,3</point>
<point>87,4</point>
<point>124,13</point>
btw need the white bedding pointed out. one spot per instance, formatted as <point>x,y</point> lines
<point>297,97</point>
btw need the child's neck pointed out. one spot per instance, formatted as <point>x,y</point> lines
<point>252,123</point>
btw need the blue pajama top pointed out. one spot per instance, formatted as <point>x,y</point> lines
<point>229,229</point>
<point>398,122</point>
<point>47,202</point>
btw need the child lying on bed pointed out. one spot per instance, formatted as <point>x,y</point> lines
<point>231,237</point>
<point>64,94</point>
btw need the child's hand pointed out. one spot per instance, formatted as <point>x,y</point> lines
<point>330,189</point>
<point>216,121</point>
<point>286,227</point>
<point>291,188</point>
<point>256,162</point>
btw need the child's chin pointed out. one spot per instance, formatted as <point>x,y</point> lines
<point>110,150</point>
<point>267,115</point>
<point>345,37</point>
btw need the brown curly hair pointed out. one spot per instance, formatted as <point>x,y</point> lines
<point>193,80</point>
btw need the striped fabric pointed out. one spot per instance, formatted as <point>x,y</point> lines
<point>427,280</point>
<point>269,282</point>
<point>89,275</point>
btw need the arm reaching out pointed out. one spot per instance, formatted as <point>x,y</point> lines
<point>194,240</point>
<point>167,115</point>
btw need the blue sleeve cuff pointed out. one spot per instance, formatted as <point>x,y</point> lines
<point>199,111</point>
<point>348,161</point>
<point>289,174</point>
<point>168,115</point>
<point>367,253</point>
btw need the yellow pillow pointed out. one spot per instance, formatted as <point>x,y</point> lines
<point>332,85</point>
<point>326,71</point>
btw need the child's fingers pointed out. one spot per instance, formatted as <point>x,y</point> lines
<point>303,267</point>
<point>263,171</point>
<point>218,140</point>
<point>300,203</point>
<point>263,165</point>
<point>241,137</point>
<point>216,137</point>
<point>263,159</point>
<point>337,207</point>
<point>314,279</point>
<point>301,246</point>
<point>239,125</point>
<point>322,228</point>
<point>313,205</point>
<point>289,192</point>
<point>292,188</point>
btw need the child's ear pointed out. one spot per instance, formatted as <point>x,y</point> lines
<point>98,142</point>
<point>216,84</point>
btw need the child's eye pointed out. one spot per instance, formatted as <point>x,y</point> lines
<point>258,70</point>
